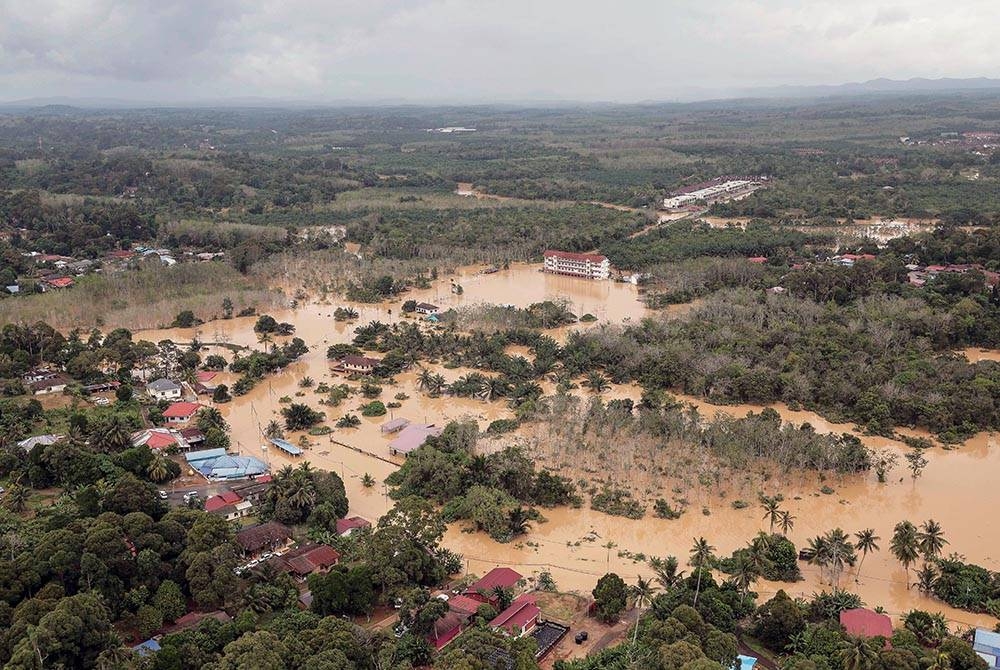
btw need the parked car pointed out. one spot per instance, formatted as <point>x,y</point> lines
<point>399,630</point>
<point>162,494</point>
<point>581,637</point>
<point>443,597</point>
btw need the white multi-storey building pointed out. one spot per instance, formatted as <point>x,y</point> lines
<point>591,266</point>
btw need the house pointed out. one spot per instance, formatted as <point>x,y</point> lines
<point>228,505</point>
<point>193,436</point>
<point>252,489</point>
<point>57,282</point>
<point>519,619</point>
<point>760,260</point>
<point>426,308</point>
<point>157,438</point>
<point>181,412</point>
<point>412,437</point>
<point>347,526</point>
<point>482,589</point>
<point>147,648</point>
<point>447,628</point>
<point>987,645</point>
<point>306,560</point>
<point>38,374</point>
<point>285,446</point>
<point>54,384</point>
<point>101,387</point>
<point>591,266</point>
<point>266,537</point>
<point>163,389</point>
<point>36,440</point>
<point>215,466</point>
<point>360,364</point>
<point>862,622</point>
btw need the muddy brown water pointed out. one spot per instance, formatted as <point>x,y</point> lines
<point>958,487</point>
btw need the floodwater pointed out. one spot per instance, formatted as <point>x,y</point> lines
<point>958,487</point>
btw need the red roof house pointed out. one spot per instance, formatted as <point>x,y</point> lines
<point>158,440</point>
<point>350,524</point>
<point>861,622</point>
<point>181,412</point>
<point>60,282</point>
<point>222,500</point>
<point>758,259</point>
<point>518,619</point>
<point>482,589</point>
<point>205,376</point>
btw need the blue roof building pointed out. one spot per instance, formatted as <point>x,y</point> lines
<point>286,446</point>
<point>987,645</point>
<point>147,648</point>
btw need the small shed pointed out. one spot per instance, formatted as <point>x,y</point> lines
<point>395,425</point>
<point>286,446</point>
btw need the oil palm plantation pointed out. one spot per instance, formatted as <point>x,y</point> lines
<point>905,546</point>
<point>930,539</point>
<point>642,593</point>
<point>867,542</point>
<point>702,555</point>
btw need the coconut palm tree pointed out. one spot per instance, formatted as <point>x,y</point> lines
<point>867,542</point>
<point>701,556</point>
<point>841,552</point>
<point>905,546</point>
<point>665,570</point>
<point>857,654</point>
<point>772,511</point>
<point>787,522</point>
<point>745,574</point>
<point>930,539</point>
<point>642,593</point>
<point>210,417</point>
<point>437,384</point>
<point>264,339</point>
<point>158,469</point>
<point>111,435</point>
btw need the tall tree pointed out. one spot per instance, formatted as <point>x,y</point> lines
<point>867,541</point>
<point>930,539</point>
<point>642,593</point>
<point>905,546</point>
<point>772,511</point>
<point>701,556</point>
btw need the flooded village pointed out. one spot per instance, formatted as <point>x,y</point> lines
<point>578,545</point>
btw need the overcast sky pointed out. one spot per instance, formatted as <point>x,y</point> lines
<point>479,50</point>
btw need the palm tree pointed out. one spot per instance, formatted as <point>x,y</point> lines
<point>264,339</point>
<point>16,498</point>
<point>841,552</point>
<point>436,384</point>
<point>926,578</point>
<point>596,382</point>
<point>745,574</point>
<point>701,555</point>
<point>787,522</point>
<point>817,553</point>
<point>772,511</point>
<point>905,546</point>
<point>665,569</point>
<point>210,417</point>
<point>503,596</point>
<point>273,430</point>
<point>609,545</point>
<point>857,654</point>
<point>158,469</point>
<point>930,539</point>
<point>518,521</point>
<point>867,542</point>
<point>112,435</point>
<point>493,388</point>
<point>642,597</point>
<point>424,379</point>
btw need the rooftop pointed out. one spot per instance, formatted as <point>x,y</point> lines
<point>861,622</point>
<point>256,538</point>
<point>571,256</point>
<point>503,577</point>
<point>179,410</point>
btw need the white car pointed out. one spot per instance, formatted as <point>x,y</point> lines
<point>162,494</point>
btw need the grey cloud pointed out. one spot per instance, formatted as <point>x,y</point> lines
<point>478,49</point>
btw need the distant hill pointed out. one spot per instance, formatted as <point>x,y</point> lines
<point>882,85</point>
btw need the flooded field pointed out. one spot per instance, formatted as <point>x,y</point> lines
<point>957,488</point>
